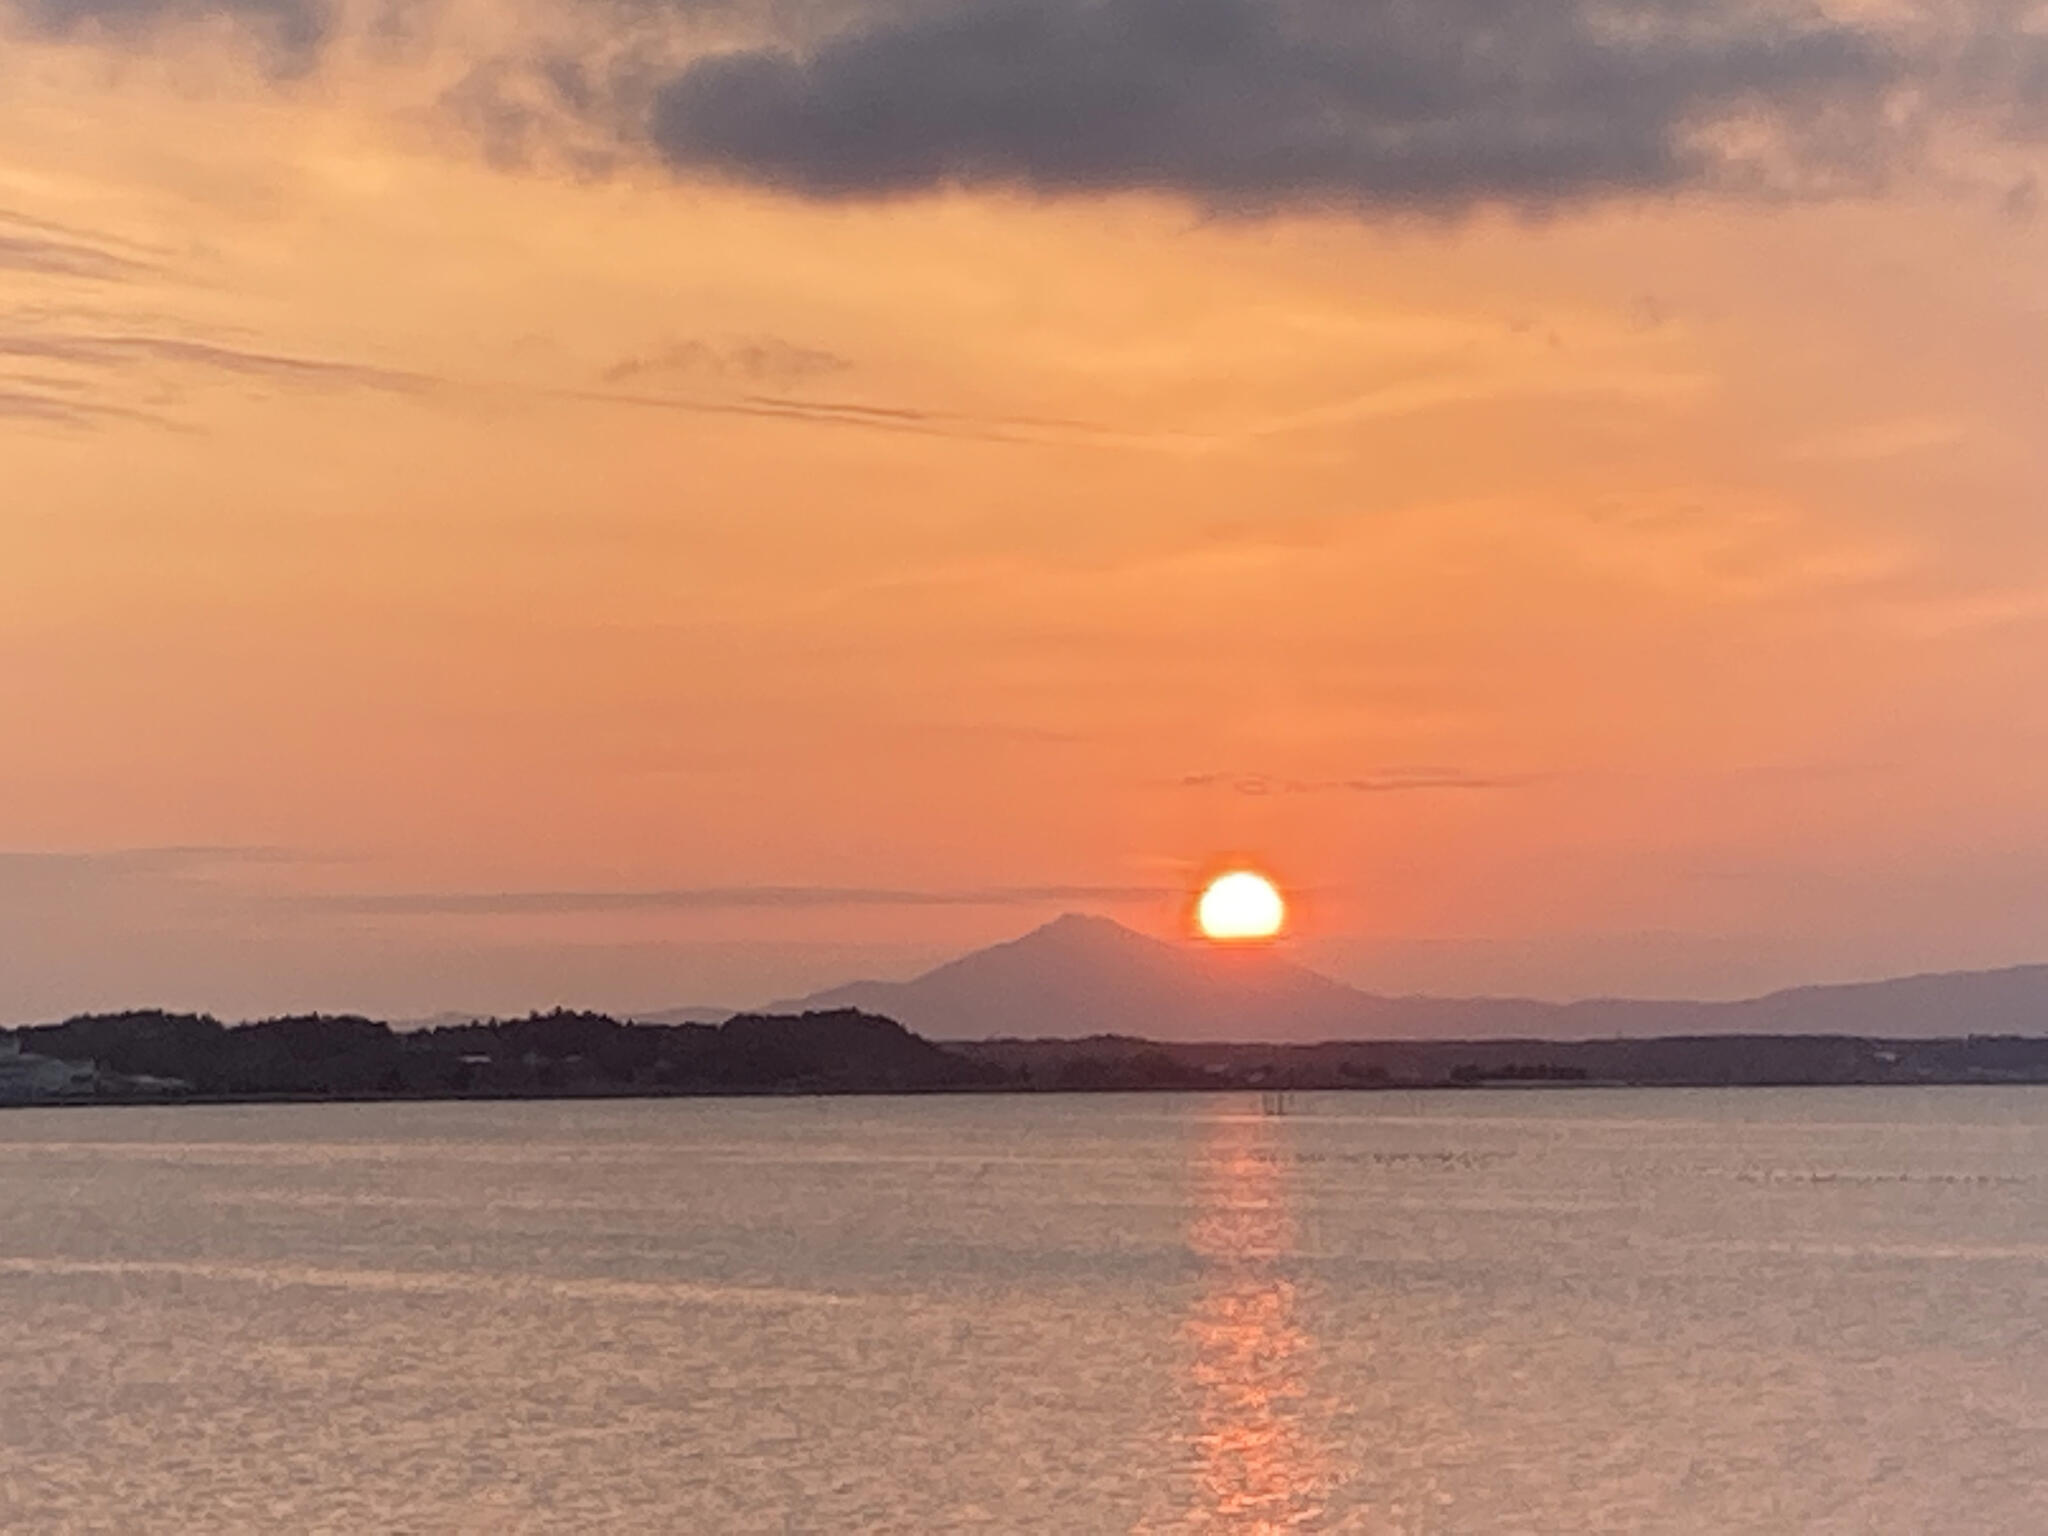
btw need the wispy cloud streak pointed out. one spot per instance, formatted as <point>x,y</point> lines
<point>56,406</point>
<point>35,873</point>
<point>119,351</point>
<point>1389,782</point>
<point>914,421</point>
<point>51,257</point>
<point>102,359</point>
<point>708,898</point>
<point>47,248</point>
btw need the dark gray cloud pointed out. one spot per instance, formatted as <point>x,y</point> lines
<point>701,898</point>
<point>291,31</point>
<point>1241,106</point>
<point>1249,104</point>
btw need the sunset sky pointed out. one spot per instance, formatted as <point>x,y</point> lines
<point>634,504</point>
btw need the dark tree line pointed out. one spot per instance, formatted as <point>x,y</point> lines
<point>329,1055</point>
<point>156,1054</point>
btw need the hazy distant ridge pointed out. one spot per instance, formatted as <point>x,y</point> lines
<point>1080,976</point>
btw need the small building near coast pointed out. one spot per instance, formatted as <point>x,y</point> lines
<point>29,1079</point>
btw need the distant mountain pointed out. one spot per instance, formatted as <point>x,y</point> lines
<point>454,1019</point>
<point>2012,1001</point>
<point>1082,976</point>
<point>448,1019</point>
<point>685,1015</point>
<point>1089,976</point>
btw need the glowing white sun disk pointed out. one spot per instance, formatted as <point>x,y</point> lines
<point>1240,905</point>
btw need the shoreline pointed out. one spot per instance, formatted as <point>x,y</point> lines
<point>159,1058</point>
<point>649,1095</point>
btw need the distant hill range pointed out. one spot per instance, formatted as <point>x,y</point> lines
<point>1080,1004</point>
<point>690,1015</point>
<point>1083,976</point>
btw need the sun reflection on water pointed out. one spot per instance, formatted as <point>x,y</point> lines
<point>1259,1466</point>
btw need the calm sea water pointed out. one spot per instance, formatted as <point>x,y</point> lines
<point>1540,1311</point>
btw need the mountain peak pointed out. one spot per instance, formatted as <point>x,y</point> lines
<point>1076,929</point>
<point>1083,974</point>
<point>1083,922</point>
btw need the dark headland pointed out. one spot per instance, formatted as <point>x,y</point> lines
<point>1081,1004</point>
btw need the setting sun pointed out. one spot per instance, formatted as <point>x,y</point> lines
<point>1240,905</point>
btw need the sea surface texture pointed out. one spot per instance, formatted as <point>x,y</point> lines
<point>1542,1311</point>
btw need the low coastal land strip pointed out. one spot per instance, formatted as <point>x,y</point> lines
<point>158,1057</point>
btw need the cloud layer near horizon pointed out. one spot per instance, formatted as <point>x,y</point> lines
<point>698,898</point>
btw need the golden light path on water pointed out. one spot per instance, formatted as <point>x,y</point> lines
<point>1260,1466</point>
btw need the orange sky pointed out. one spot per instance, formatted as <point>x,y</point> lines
<point>666,590</point>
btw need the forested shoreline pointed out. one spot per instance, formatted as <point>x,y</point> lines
<point>157,1056</point>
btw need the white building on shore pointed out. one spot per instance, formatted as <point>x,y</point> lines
<point>25,1078</point>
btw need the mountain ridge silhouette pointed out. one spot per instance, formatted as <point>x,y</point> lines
<point>1081,975</point>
